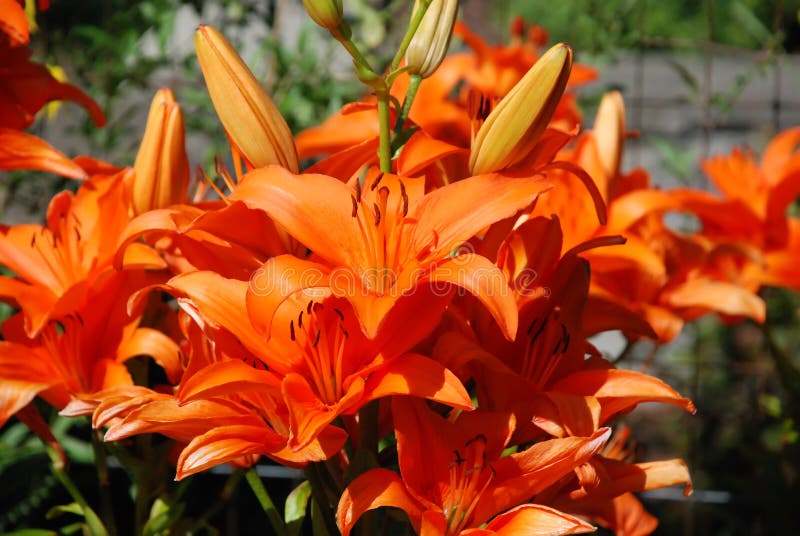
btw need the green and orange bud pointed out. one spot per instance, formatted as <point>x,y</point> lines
<point>517,122</point>
<point>253,123</point>
<point>326,13</point>
<point>162,168</point>
<point>432,38</point>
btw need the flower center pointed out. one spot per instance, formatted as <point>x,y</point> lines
<point>470,475</point>
<point>320,336</point>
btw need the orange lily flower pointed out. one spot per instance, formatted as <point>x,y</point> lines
<point>458,479</point>
<point>384,239</point>
<point>88,356</point>
<point>316,359</point>
<point>602,489</point>
<point>234,428</point>
<point>57,264</point>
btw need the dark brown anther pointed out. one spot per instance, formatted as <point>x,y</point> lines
<point>533,324</point>
<point>377,214</point>
<point>405,198</point>
<point>300,320</point>
<point>79,318</point>
<point>316,339</point>
<point>339,313</point>
<point>309,306</point>
<point>344,331</point>
<point>479,437</point>
<point>33,239</point>
<point>358,191</point>
<point>291,330</point>
<point>459,460</point>
<point>354,212</point>
<point>377,181</point>
<point>77,234</point>
<point>538,332</point>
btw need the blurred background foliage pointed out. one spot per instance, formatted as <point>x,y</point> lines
<point>743,445</point>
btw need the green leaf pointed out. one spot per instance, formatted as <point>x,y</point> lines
<point>748,21</point>
<point>58,511</point>
<point>295,508</point>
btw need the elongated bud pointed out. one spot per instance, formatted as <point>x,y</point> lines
<point>432,38</point>
<point>162,167</point>
<point>326,13</point>
<point>253,122</point>
<point>517,122</point>
<point>609,132</point>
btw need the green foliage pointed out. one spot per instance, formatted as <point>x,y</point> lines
<point>592,26</point>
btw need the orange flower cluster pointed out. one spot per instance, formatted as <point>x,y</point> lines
<point>431,319</point>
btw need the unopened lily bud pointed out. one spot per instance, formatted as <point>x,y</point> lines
<point>517,122</point>
<point>326,13</point>
<point>432,38</point>
<point>162,167</point>
<point>253,122</point>
<point>609,132</point>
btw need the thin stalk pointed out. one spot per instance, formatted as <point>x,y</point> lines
<point>405,111</point>
<point>384,119</point>
<point>416,19</point>
<point>106,505</point>
<point>224,496</point>
<point>321,494</point>
<point>93,522</point>
<point>342,35</point>
<point>143,482</point>
<point>265,500</point>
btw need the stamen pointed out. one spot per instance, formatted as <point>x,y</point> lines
<point>344,331</point>
<point>377,214</point>
<point>300,320</point>
<point>291,330</point>
<point>405,198</point>
<point>354,212</point>
<point>339,313</point>
<point>358,191</point>
<point>316,339</point>
<point>377,181</point>
<point>309,306</point>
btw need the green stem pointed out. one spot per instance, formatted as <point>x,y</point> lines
<point>322,495</point>
<point>224,496</point>
<point>93,522</point>
<point>106,505</point>
<point>416,19</point>
<point>265,500</point>
<point>368,428</point>
<point>384,119</point>
<point>405,111</point>
<point>342,34</point>
<point>143,482</point>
